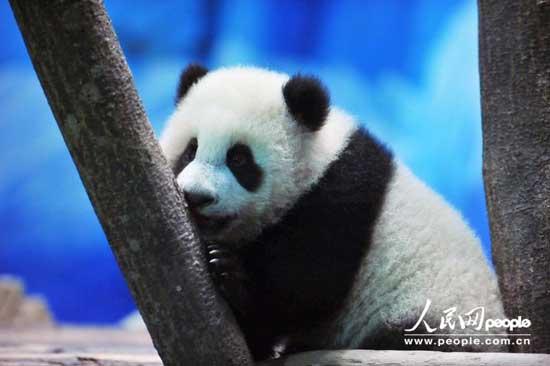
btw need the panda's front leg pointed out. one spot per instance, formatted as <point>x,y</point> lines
<point>238,289</point>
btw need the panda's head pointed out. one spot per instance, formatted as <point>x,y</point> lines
<point>245,144</point>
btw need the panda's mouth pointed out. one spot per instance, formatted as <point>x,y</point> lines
<point>211,224</point>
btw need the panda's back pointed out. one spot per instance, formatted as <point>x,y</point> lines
<point>420,249</point>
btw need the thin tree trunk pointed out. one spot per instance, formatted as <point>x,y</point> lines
<point>515,87</point>
<point>90,90</point>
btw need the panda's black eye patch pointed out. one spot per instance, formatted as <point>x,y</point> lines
<point>187,156</point>
<point>241,162</point>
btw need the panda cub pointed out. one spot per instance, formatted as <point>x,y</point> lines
<point>318,237</point>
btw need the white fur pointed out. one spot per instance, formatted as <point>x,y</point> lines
<point>246,105</point>
<point>421,249</point>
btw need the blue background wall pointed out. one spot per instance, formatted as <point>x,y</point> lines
<point>407,69</point>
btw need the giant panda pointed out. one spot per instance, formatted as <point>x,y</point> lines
<point>316,234</point>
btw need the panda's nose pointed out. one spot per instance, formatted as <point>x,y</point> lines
<point>198,199</point>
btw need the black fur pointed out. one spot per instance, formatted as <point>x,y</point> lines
<point>187,156</point>
<point>189,76</point>
<point>307,100</point>
<point>298,272</point>
<point>241,163</point>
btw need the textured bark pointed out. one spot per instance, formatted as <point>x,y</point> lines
<point>515,87</point>
<point>90,90</point>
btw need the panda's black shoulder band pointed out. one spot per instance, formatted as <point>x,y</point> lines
<point>307,100</point>
<point>190,75</point>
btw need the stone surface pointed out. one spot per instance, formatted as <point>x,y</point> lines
<point>410,358</point>
<point>117,347</point>
<point>19,310</point>
<point>11,297</point>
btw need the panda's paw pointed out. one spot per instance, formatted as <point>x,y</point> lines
<point>229,276</point>
<point>224,264</point>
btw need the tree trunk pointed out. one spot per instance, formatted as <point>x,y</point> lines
<point>81,67</point>
<point>515,89</point>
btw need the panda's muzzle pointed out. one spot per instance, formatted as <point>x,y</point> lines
<point>210,225</point>
<point>207,224</point>
<point>198,200</point>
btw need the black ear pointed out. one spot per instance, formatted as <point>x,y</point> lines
<point>307,100</point>
<point>189,76</point>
